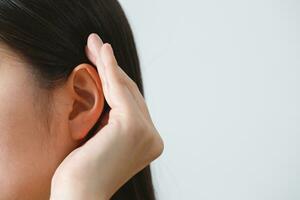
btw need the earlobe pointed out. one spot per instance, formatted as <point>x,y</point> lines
<point>87,100</point>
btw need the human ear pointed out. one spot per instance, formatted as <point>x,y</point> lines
<point>87,99</point>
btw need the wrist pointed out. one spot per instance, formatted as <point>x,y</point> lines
<point>74,190</point>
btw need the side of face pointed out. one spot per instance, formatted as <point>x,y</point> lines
<point>38,132</point>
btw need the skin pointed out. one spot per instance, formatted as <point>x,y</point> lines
<point>126,142</point>
<point>41,130</point>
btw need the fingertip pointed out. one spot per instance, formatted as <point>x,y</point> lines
<point>107,54</point>
<point>109,48</point>
<point>94,43</point>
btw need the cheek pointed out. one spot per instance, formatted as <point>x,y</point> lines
<point>29,152</point>
<point>24,158</point>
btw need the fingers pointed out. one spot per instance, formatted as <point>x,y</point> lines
<point>111,65</point>
<point>110,61</point>
<point>135,92</point>
<point>113,76</point>
<point>115,91</point>
<point>92,51</point>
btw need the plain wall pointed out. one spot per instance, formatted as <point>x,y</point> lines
<point>222,82</point>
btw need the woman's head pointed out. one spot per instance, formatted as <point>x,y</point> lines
<point>51,101</point>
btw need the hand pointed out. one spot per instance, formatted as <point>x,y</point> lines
<point>126,144</point>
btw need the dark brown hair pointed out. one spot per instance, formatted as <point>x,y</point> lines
<point>51,36</point>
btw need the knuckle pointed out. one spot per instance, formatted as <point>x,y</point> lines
<point>160,146</point>
<point>153,149</point>
<point>157,145</point>
<point>143,136</point>
<point>134,85</point>
<point>120,80</point>
<point>111,61</point>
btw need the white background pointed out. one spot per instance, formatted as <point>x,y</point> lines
<point>222,82</point>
